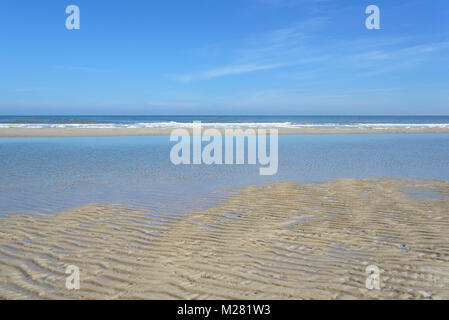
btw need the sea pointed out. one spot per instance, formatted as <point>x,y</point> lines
<point>256,121</point>
<point>49,175</point>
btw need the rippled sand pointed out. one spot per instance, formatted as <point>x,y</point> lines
<point>281,241</point>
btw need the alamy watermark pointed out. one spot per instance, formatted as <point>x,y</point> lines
<point>373,20</point>
<point>373,280</point>
<point>72,282</point>
<point>189,149</point>
<point>73,20</point>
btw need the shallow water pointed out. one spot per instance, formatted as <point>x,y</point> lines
<point>55,174</point>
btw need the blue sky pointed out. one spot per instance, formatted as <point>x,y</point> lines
<point>224,57</point>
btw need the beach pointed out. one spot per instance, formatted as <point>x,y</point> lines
<point>138,226</point>
<point>279,241</point>
<point>110,126</point>
<point>135,132</point>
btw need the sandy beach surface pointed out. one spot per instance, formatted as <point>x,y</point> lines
<point>111,132</point>
<point>277,241</point>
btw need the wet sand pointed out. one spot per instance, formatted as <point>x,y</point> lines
<point>111,132</point>
<point>279,241</point>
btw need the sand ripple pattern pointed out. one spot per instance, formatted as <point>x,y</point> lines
<point>279,241</point>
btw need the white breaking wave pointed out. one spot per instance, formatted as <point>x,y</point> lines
<point>174,124</point>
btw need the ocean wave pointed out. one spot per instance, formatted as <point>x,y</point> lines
<point>174,124</point>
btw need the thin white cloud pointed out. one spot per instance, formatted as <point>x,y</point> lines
<point>276,48</point>
<point>391,60</point>
<point>225,71</point>
<point>402,52</point>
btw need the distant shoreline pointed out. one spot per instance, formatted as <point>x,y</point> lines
<point>119,132</point>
